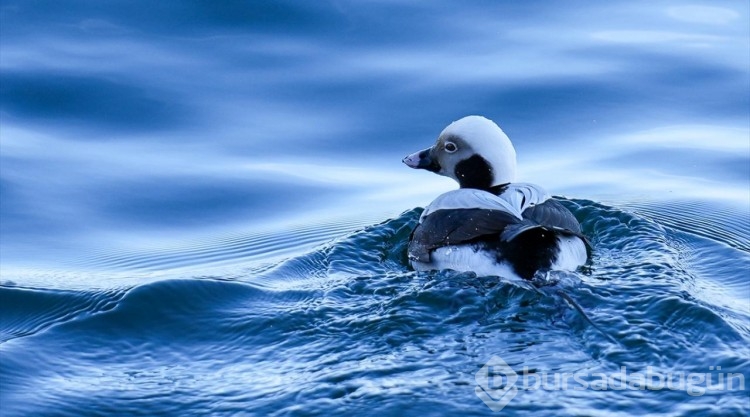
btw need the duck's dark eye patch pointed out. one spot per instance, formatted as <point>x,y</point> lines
<point>450,147</point>
<point>474,172</point>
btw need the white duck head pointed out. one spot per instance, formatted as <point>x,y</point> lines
<point>474,151</point>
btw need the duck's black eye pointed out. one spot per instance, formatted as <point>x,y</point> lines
<point>450,147</point>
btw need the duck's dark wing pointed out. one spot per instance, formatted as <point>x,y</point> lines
<point>455,226</point>
<point>552,214</point>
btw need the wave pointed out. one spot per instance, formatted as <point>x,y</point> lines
<point>350,313</point>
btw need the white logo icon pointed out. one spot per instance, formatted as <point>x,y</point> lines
<point>496,383</point>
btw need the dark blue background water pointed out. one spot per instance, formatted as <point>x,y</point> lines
<point>204,210</point>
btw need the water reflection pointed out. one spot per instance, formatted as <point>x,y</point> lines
<point>119,119</point>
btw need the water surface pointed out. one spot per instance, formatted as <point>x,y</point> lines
<point>204,209</point>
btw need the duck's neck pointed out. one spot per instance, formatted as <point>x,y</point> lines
<point>494,189</point>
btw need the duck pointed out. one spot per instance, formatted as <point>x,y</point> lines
<point>490,225</point>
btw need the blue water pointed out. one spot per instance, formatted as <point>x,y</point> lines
<point>203,209</point>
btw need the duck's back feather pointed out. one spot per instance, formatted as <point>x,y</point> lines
<point>523,224</point>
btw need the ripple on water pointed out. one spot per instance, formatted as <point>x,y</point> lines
<point>28,311</point>
<point>231,248</point>
<point>725,224</point>
<point>349,324</point>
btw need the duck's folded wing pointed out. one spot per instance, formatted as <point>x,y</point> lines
<point>455,226</point>
<point>553,215</point>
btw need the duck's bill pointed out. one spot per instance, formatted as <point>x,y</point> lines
<point>421,160</point>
